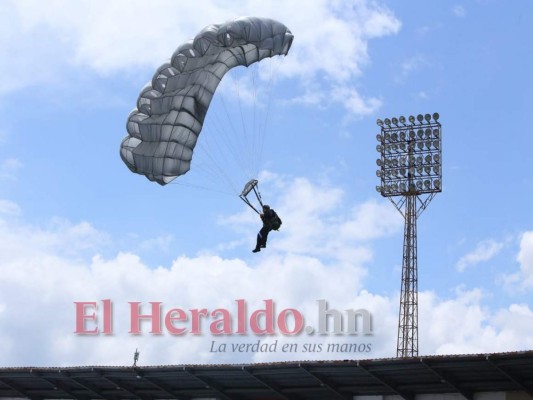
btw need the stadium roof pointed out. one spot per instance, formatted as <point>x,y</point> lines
<point>324,380</point>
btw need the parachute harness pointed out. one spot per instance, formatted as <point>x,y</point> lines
<point>252,185</point>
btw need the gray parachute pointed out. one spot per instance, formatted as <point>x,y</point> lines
<point>164,128</point>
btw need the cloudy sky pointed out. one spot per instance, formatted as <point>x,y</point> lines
<point>77,226</point>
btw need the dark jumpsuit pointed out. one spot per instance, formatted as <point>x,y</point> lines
<point>267,227</point>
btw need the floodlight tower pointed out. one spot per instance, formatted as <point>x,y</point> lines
<point>411,175</point>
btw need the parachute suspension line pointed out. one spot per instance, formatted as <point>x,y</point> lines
<point>256,131</point>
<point>246,145</point>
<point>212,168</point>
<point>252,185</point>
<point>264,126</point>
<point>218,139</point>
<point>229,140</point>
<point>213,152</point>
<point>228,135</point>
<point>245,134</point>
<point>215,171</point>
<point>192,185</point>
<point>236,140</point>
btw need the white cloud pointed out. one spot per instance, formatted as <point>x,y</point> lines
<point>523,279</point>
<point>9,208</point>
<point>60,238</point>
<point>462,325</point>
<point>484,251</point>
<point>46,270</point>
<point>411,66</point>
<point>321,253</point>
<point>525,256</point>
<point>9,168</point>
<point>331,38</point>
<point>354,103</point>
<point>158,243</point>
<point>348,97</point>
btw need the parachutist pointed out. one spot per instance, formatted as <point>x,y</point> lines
<point>271,221</point>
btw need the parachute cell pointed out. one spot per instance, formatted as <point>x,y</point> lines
<point>164,129</point>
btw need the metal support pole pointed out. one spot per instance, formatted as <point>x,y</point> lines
<point>407,345</point>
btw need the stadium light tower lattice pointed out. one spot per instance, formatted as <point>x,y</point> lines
<point>410,170</point>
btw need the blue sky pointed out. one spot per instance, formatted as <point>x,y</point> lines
<point>77,225</point>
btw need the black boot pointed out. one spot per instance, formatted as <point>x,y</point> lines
<point>258,245</point>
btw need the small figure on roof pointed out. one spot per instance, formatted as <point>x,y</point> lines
<point>271,221</point>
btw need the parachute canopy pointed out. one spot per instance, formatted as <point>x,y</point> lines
<point>164,128</point>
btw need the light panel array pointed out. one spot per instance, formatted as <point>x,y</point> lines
<point>411,156</point>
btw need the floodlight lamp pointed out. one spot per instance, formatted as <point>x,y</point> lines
<point>427,117</point>
<point>428,133</point>
<point>387,121</point>
<point>395,121</point>
<point>395,172</point>
<point>420,118</point>
<point>436,169</point>
<point>379,138</point>
<point>436,133</point>
<point>387,137</point>
<point>402,135</point>
<point>394,187</point>
<point>427,170</point>
<point>411,171</point>
<point>403,160</point>
<point>436,116</point>
<point>379,148</point>
<point>378,173</point>
<point>420,145</point>
<point>436,144</point>
<point>428,159</point>
<point>412,134</point>
<point>402,172</point>
<point>394,137</point>
<point>420,170</point>
<point>419,160</point>
<point>395,162</point>
<point>402,119</point>
<point>436,183</point>
<point>420,133</point>
<point>436,158</point>
<point>411,119</point>
<point>427,184</point>
<point>394,147</point>
<point>379,162</point>
<point>379,189</point>
<point>402,186</point>
<point>428,144</point>
<point>379,122</point>
<point>419,184</point>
